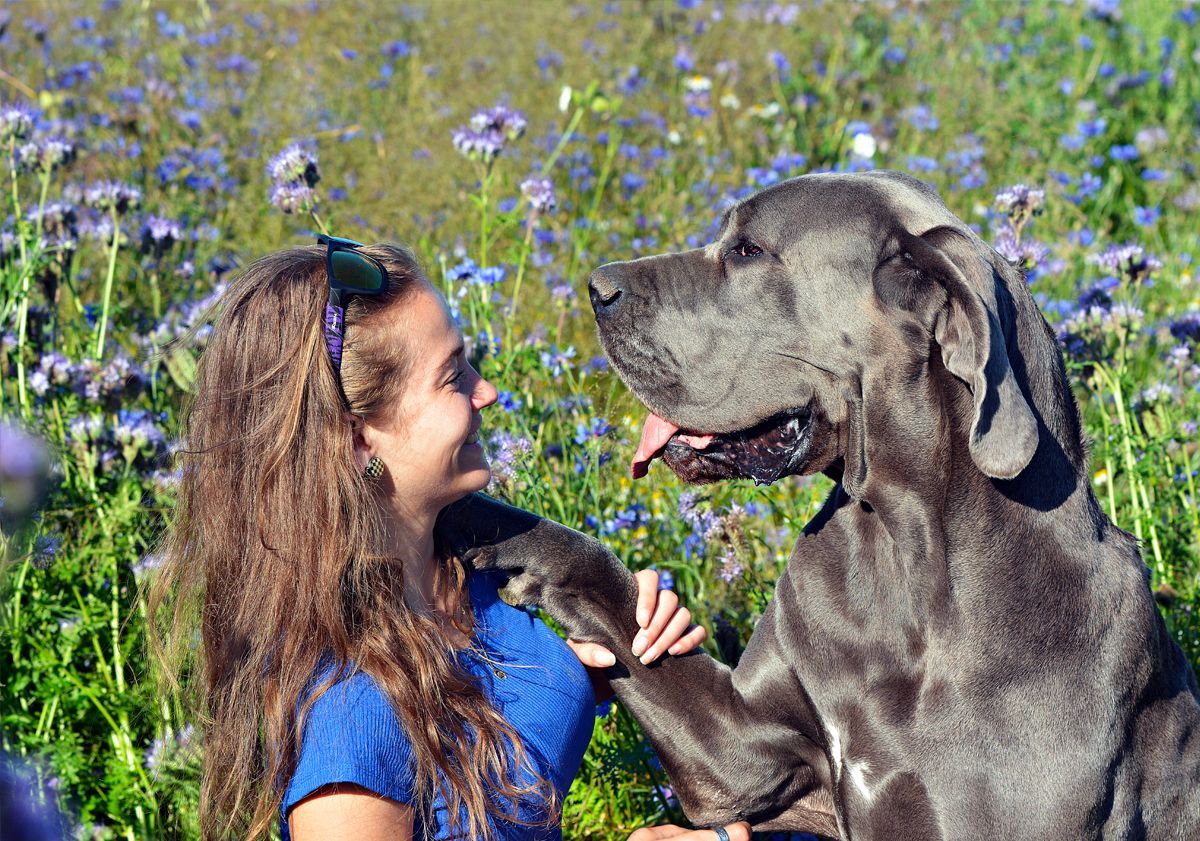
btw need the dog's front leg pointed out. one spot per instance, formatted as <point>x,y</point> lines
<point>735,744</point>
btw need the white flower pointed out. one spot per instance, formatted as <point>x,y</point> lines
<point>698,84</point>
<point>863,145</point>
<point>564,99</point>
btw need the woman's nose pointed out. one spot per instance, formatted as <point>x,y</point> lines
<point>485,394</point>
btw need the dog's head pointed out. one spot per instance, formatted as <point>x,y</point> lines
<point>757,353</point>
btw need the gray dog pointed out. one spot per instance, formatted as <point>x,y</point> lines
<point>962,646</point>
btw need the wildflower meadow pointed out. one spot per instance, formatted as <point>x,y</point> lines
<point>150,149</point>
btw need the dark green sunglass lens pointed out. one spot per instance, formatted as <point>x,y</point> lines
<point>353,271</point>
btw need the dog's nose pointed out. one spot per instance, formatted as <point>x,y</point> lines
<point>604,290</point>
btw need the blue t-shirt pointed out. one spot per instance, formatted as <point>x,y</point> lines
<point>353,736</point>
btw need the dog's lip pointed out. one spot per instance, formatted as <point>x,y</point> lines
<point>657,432</point>
<point>763,452</point>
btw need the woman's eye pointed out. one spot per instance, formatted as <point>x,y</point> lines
<point>457,377</point>
<point>745,248</point>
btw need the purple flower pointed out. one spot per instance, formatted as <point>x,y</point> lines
<point>506,453</point>
<point>540,193</point>
<point>294,164</point>
<point>45,550</point>
<point>731,568</point>
<point>112,195</point>
<point>159,234</point>
<point>488,132</point>
<point>1023,253</point>
<point>16,122</point>
<point>1186,328</point>
<point>45,154</point>
<point>1128,259</point>
<point>293,197</point>
<point>1020,200</point>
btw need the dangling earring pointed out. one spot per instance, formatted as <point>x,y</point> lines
<point>374,468</point>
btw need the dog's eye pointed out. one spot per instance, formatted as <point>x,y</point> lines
<point>745,248</point>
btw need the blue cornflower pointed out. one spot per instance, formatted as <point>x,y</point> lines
<point>508,401</point>
<point>629,518</point>
<point>1123,152</point>
<point>598,428</point>
<point>684,62</point>
<point>556,361</point>
<point>1145,216</point>
<point>920,117</point>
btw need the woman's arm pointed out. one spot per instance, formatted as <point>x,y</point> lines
<point>349,812</point>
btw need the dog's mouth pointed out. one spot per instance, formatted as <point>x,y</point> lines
<point>765,452</point>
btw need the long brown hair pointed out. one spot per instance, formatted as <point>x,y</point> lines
<point>273,552</point>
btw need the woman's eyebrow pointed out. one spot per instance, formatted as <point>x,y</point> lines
<point>458,349</point>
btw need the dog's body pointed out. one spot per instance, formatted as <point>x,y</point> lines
<point>962,645</point>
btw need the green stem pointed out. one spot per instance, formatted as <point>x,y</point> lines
<point>155,297</point>
<point>22,274</point>
<point>108,281</point>
<point>516,293</point>
<point>484,185</point>
<point>562,140</point>
<point>317,221</point>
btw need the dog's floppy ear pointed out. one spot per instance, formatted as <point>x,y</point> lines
<point>968,328</point>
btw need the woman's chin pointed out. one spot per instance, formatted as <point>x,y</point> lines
<point>476,473</point>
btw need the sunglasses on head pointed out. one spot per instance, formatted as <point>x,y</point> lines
<point>350,272</point>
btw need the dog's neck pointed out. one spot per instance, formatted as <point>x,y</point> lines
<point>927,516</point>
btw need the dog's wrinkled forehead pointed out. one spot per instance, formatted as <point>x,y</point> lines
<point>870,204</point>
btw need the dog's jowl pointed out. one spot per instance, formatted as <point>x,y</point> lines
<point>962,645</point>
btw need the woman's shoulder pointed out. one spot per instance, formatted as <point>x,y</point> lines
<point>351,734</point>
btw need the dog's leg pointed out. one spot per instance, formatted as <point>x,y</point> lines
<point>736,744</point>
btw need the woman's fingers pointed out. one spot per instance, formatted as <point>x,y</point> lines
<point>647,581</point>
<point>677,625</point>
<point>591,654</point>
<point>690,641</point>
<point>664,609</point>
<point>739,831</point>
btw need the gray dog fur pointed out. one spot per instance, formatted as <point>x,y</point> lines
<point>963,645</point>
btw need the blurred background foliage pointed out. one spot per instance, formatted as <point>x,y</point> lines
<point>152,148</point>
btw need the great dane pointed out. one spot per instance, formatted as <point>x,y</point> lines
<point>962,646</point>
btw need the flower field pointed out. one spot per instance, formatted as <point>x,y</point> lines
<point>150,149</point>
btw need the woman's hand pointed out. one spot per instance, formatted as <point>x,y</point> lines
<point>665,627</point>
<point>739,831</point>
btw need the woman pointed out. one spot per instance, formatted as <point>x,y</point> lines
<point>359,681</point>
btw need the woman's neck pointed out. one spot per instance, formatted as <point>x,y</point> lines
<point>409,537</point>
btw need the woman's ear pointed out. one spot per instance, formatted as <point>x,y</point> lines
<point>363,448</point>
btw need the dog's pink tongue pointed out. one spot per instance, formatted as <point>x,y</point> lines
<point>655,434</point>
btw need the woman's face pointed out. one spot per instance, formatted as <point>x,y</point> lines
<point>429,442</point>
